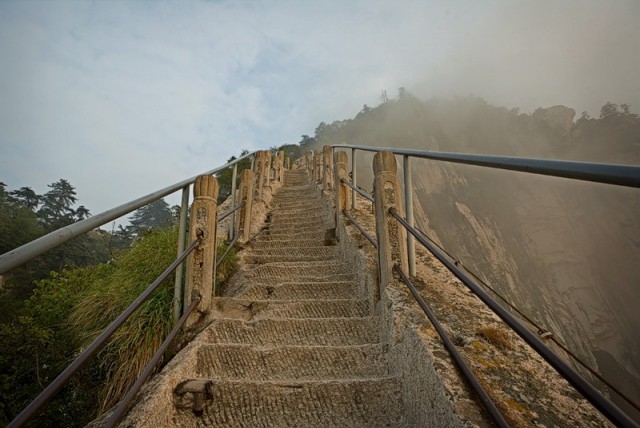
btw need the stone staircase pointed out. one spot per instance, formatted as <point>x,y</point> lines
<point>297,344</point>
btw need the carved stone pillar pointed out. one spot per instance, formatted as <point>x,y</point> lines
<point>201,262</point>
<point>318,166</point>
<point>392,237</point>
<point>247,177</point>
<point>343,197</point>
<point>328,167</point>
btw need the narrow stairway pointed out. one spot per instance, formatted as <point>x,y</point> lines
<point>298,344</point>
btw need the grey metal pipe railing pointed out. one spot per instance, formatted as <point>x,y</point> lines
<point>26,252</point>
<point>487,402</point>
<point>621,175</point>
<point>124,404</point>
<point>371,239</point>
<point>229,247</point>
<point>231,211</point>
<point>72,368</point>
<point>608,408</point>
<point>358,190</point>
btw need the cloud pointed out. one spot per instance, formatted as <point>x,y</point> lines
<point>122,98</point>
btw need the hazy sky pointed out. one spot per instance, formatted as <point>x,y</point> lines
<point>123,98</point>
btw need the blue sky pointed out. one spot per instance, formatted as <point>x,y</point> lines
<point>122,98</point>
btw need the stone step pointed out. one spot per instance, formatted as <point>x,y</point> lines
<point>287,256</point>
<point>294,235</point>
<point>298,216</point>
<point>298,225</point>
<point>247,362</point>
<point>295,271</point>
<point>325,290</point>
<point>258,244</point>
<point>374,402</point>
<point>249,309</point>
<point>293,331</point>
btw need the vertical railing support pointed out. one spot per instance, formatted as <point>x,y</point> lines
<point>318,165</point>
<point>182,234</point>
<point>327,167</point>
<point>353,177</point>
<point>408,207</point>
<point>343,202</point>
<point>281,167</point>
<point>247,178</point>
<point>392,246</point>
<point>200,263</point>
<point>232,224</point>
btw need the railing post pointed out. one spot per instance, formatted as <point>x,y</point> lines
<point>317,170</point>
<point>280,167</point>
<point>182,234</point>
<point>262,172</point>
<point>247,178</point>
<point>392,245</point>
<point>408,207</point>
<point>232,224</point>
<point>200,263</point>
<point>343,201</point>
<point>328,167</point>
<point>308,159</point>
<point>353,177</point>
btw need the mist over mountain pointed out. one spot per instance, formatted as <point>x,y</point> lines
<point>564,252</point>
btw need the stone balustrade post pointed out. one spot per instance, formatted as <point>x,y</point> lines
<point>263,167</point>
<point>343,197</point>
<point>280,158</point>
<point>318,166</point>
<point>245,192</point>
<point>391,235</point>
<point>328,167</point>
<point>201,262</point>
<point>308,157</point>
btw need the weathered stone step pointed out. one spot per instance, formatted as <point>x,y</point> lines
<point>296,203</point>
<point>258,244</point>
<point>249,309</point>
<point>297,270</point>
<point>299,225</point>
<point>291,257</point>
<point>283,331</point>
<point>373,402</point>
<point>324,290</point>
<point>294,235</point>
<point>301,216</point>
<point>247,362</point>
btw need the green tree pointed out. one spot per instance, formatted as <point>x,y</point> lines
<point>156,215</point>
<point>26,197</point>
<point>57,205</point>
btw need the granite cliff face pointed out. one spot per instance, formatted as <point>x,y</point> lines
<point>564,252</point>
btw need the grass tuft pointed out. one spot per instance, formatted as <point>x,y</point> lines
<point>495,336</point>
<point>123,358</point>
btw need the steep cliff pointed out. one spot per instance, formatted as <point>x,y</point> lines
<point>564,252</point>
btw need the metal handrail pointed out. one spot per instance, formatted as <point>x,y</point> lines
<point>608,408</point>
<point>231,211</point>
<point>357,189</point>
<point>231,244</point>
<point>371,239</point>
<point>123,406</point>
<point>72,368</point>
<point>622,175</point>
<point>26,252</point>
<point>457,357</point>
